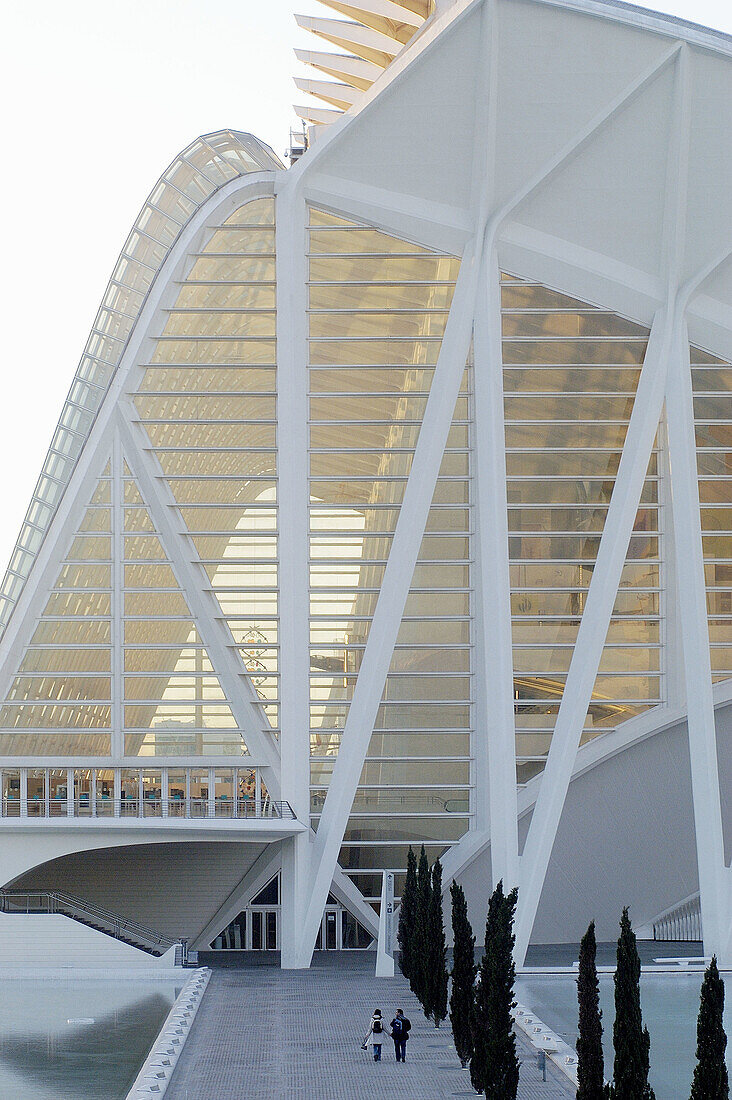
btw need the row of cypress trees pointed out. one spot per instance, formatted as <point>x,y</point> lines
<point>421,936</point>
<point>631,1041</point>
<point>481,998</point>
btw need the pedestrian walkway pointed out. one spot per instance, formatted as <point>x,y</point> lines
<point>267,1034</point>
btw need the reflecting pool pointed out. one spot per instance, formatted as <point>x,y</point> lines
<point>84,1039</point>
<point>670,1004</point>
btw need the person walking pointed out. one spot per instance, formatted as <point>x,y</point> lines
<point>375,1036</point>
<point>400,1027</point>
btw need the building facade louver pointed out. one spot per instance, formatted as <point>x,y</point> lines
<point>392,505</point>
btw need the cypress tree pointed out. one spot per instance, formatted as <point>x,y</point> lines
<point>462,994</point>
<point>417,975</point>
<point>710,1073</point>
<point>436,953</point>
<point>494,1066</point>
<point>590,1061</point>
<point>407,913</point>
<point>630,1039</point>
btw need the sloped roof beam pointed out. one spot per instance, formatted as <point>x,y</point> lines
<point>339,95</point>
<point>370,45</point>
<point>381,15</point>
<point>353,71</point>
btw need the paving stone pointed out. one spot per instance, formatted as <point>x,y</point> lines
<point>268,1034</point>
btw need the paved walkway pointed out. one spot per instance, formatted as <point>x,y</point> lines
<point>267,1034</point>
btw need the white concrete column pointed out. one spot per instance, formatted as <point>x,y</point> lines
<point>294,579</point>
<point>495,738</point>
<point>713,875</point>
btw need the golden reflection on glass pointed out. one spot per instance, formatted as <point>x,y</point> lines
<point>570,375</point>
<point>208,404</point>
<point>712,388</point>
<point>377,315</point>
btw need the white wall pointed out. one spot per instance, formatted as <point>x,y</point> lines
<point>626,837</point>
<point>55,941</point>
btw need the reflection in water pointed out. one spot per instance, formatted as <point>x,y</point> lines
<point>44,1057</point>
<point>670,1004</point>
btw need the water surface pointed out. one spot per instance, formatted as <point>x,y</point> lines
<point>670,1004</point>
<point>78,1039</point>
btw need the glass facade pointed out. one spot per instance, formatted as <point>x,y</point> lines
<point>115,666</point>
<point>377,312</point>
<point>195,174</point>
<point>570,373</point>
<point>712,385</point>
<point>207,404</point>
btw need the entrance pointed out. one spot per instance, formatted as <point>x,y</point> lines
<point>264,929</point>
<point>329,933</point>
<point>257,927</point>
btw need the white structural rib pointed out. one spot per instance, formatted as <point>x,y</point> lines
<point>477,840</point>
<point>341,96</point>
<point>394,19</point>
<point>666,331</point>
<point>363,41</point>
<point>318,115</point>
<point>376,31</point>
<point>495,739</point>
<point>692,599</point>
<point>354,71</point>
<point>294,580</point>
<point>392,598</point>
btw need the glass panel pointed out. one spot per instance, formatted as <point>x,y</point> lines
<point>176,792</point>
<point>57,791</point>
<point>715,489</point>
<point>199,792</point>
<point>83,791</point>
<point>224,792</point>
<point>36,792</point>
<point>105,792</point>
<point>11,793</point>
<point>130,792</point>
<point>570,375</point>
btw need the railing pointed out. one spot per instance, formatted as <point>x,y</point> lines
<point>196,809</point>
<point>120,928</point>
<point>682,923</point>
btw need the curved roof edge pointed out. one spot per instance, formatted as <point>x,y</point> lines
<point>203,167</point>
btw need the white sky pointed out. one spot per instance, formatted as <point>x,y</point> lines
<point>98,98</point>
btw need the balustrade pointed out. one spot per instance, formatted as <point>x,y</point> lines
<point>193,793</point>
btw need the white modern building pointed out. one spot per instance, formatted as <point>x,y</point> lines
<point>392,504</point>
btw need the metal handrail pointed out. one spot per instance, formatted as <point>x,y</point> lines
<point>196,809</point>
<point>47,901</point>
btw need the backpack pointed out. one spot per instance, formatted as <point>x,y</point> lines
<point>377,1028</point>
<point>396,1027</point>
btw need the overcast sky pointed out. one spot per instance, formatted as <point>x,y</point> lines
<point>97,100</point>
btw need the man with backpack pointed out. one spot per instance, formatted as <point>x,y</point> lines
<point>400,1026</point>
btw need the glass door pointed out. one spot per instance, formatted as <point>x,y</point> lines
<point>330,929</point>
<point>82,792</point>
<point>57,789</point>
<point>265,929</point>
